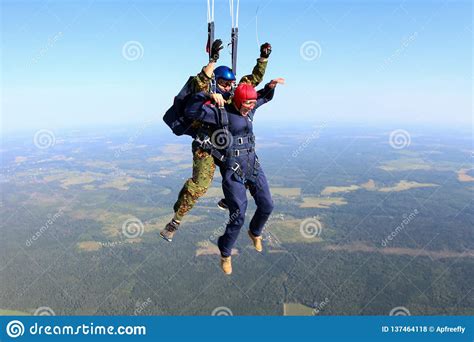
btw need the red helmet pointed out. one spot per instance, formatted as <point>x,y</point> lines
<point>244,92</point>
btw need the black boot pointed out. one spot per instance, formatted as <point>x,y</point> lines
<point>222,204</point>
<point>169,230</point>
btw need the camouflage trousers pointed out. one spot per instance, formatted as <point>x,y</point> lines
<point>196,186</point>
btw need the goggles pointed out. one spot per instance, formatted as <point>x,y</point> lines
<point>225,83</point>
<point>249,103</point>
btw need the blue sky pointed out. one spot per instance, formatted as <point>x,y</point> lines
<point>398,62</point>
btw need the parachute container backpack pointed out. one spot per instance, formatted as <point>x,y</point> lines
<point>174,116</point>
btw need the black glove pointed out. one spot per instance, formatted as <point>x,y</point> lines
<point>265,50</point>
<point>216,47</point>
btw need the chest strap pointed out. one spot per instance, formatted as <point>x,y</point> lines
<point>241,152</point>
<point>247,139</point>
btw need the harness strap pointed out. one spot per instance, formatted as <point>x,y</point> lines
<point>246,139</point>
<point>253,177</point>
<point>237,169</point>
<point>241,152</point>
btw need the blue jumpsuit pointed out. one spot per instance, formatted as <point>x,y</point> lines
<point>240,169</point>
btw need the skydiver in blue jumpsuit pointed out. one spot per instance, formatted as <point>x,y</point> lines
<point>240,169</point>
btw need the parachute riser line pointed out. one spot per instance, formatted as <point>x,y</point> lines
<point>234,33</point>
<point>210,27</point>
<point>234,40</point>
<point>210,38</point>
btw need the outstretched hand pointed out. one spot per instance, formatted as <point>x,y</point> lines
<point>273,83</point>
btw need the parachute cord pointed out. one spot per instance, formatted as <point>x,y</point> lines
<point>235,19</point>
<point>231,7</point>
<point>256,26</point>
<point>237,15</point>
<point>212,10</point>
<point>208,12</point>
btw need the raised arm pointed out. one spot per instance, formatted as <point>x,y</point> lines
<point>202,81</point>
<point>259,69</point>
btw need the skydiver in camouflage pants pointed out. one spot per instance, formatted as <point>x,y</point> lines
<point>204,164</point>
